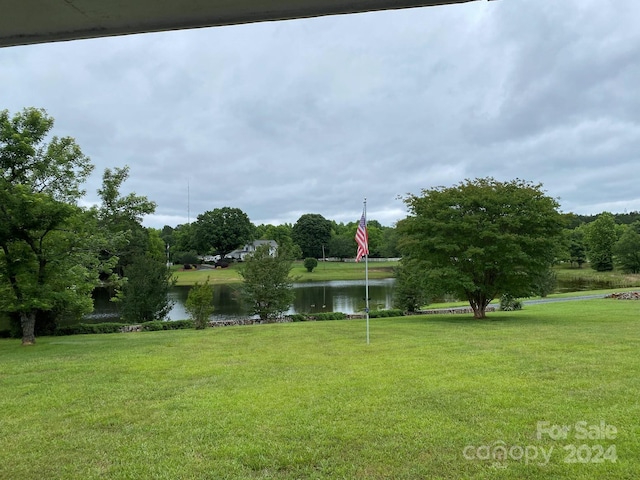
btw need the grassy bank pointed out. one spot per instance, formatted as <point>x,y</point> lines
<point>323,272</point>
<point>312,400</point>
<point>355,271</point>
<point>585,275</point>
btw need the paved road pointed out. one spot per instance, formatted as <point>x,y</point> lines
<point>563,299</point>
<point>525,302</point>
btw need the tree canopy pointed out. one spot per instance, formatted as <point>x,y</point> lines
<point>627,249</point>
<point>482,238</point>
<point>600,238</point>
<point>49,259</point>
<point>222,230</point>
<point>311,232</point>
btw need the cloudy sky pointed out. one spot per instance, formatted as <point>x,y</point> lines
<point>311,116</point>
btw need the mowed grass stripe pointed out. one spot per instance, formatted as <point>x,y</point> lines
<point>312,400</point>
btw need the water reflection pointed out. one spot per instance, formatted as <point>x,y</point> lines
<point>333,296</point>
<point>342,296</point>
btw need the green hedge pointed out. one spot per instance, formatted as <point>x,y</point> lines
<point>110,327</point>
<point>167,325</point>
<point>328,316</point>
<point>85,328</point>
<point>386,313</point>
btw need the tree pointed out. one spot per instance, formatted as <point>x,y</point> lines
<point>145,295</point>
<point>389,246</point>
<point>222,230</point>
<point>600,238</point>
<point>627,249</point>
<point>410,292</point>
<point>310,263</point>
<point>341,246</point>
<point>310,233</point>
<point>199,304</point>
<point>49,261</point>
<point>482,238</point>
<point>267,285</point>
<point>545,283</point>
<point>576,247</point>
<point>282,236</point>
<point>121,218</point>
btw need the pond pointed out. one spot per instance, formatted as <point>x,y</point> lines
<point>332,296</point>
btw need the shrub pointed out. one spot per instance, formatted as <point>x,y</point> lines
<point>185,257</point>
<point>178,325</point>
<point>152,326</point>
<point>89,328</point>
<point>509,303</point>
<point>157,325</point>
<point>298,317</point>
<point>329,316</point>
<point>199,304</point>
<point>310,263</point>
<point>386,313</point>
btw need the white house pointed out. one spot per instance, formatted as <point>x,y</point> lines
<point>249,248</point>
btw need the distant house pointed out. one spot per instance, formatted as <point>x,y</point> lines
<point>249,248</point>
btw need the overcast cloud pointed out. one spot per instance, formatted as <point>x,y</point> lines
<point>311,116</point>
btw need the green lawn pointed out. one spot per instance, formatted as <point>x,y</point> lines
<point>312,400</point>
<point>323,272</point>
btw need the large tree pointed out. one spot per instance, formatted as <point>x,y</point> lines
<point>601,237</point>
<point>627,249</point>
<point>410,292</point>
<point>576,248</point>
<point>482,238</point>
<point>222,230</point>
<point>267,285</point>
<point>49,245</point>
<point>310,233</point>
<point>145,294</point>
<point>120,216</point>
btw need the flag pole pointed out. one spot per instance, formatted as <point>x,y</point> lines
<point>362,240</point>
<point>366,273</point>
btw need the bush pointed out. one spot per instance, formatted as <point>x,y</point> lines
<point>112,327</point>
<point>199,304</point>
<point>89,328</point>
<point>298,317</point>
<point>386,313</point>
<point>328,316</point>
<point>185,257</point>
<point>178,325</point>
<point>310,263</point>
<point>152,326</point>
<point>157,325</point>
<point>509,303</point>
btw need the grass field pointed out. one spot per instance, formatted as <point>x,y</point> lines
<point>427,399</point>
<point>323,272</point>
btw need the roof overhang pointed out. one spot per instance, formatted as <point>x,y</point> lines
<point>37,21</point>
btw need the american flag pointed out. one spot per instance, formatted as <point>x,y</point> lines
<point>362,239</point>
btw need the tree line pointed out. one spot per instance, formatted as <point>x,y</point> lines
<point>222,230</point>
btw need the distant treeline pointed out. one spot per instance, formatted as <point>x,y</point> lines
<point>574,220</point>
